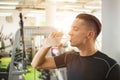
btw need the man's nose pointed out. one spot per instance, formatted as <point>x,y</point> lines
<point>70,33</point>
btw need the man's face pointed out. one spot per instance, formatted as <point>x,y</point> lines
<point>78,33</point>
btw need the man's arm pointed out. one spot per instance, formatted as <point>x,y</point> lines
<point>40,61</point>
<point>114,73</point>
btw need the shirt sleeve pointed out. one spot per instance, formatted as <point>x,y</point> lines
<point>114,73</point>
<point>60,60</point>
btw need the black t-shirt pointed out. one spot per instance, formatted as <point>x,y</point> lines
<point>96,67</point>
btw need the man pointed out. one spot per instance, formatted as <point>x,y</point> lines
<point>89,63</point>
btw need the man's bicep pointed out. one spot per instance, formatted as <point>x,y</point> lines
<point>49,63</point>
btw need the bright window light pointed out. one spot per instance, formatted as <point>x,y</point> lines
<point>5,14</point>
<point>8,3</point>
<point>7,7</point>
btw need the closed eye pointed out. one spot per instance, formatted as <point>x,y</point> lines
<point>75,28</point>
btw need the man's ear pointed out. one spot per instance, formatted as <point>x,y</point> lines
<point>91,34</point>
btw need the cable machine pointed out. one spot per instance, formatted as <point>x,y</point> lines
<point>18,56</point>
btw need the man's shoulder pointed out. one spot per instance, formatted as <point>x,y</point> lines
<point>105,58</point>
<point>112,63</point>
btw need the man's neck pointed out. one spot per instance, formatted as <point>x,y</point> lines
<point>88,52</point>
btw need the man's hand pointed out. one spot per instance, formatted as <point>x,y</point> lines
<point>53,40</point>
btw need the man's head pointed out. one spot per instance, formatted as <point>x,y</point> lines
<point>85,28</point>
<point>92,22</point>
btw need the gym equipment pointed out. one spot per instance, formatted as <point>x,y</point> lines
<point>5,45</point>
<point>18,65</point>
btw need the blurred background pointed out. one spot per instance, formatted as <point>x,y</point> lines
<point>25,23</point>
